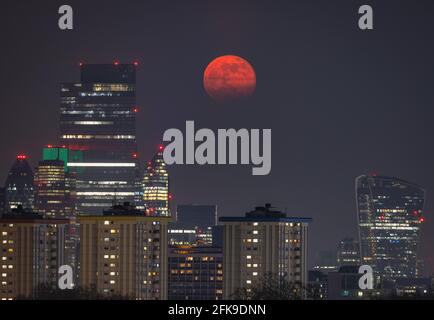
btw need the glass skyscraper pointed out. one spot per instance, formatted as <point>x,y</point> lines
<point>54,190</point>
<point>156,186</point>
<point>390,213</point>
<point>98,126</point>
<point>19,185</point>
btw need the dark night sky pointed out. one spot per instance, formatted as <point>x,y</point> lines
<point>340,102</point>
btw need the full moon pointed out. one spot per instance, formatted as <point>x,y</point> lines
<point>229,78</point>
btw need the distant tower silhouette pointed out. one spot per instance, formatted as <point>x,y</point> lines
<point>19,187</point>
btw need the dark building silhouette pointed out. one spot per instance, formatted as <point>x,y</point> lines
<point>19,185</point>
<point>2,201</point>
<point>348,252</point>
<point>98,126</point>
<point>318,283</point>
<point>194,225</point>
<point>390,214</point>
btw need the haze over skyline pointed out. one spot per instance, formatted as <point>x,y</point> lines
<point>340,102</point>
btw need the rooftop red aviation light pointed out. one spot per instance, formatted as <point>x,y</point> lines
<point>421,219</point>
<point>135,109</point>
<point>161,147</point>
<point>136,63</point>
<point>116,62</point>
<point>21,157</point>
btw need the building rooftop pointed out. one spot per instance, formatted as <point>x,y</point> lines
<point>266,214</point>
<point>124,211</point>
<point>21,215</point>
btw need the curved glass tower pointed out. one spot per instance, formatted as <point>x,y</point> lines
<point>389,215</point>
<point>156,186</point>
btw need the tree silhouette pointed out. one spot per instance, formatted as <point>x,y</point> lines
<point>47,291</point>
<point>273,287</point>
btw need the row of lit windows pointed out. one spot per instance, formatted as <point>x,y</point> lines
<point>89,136</point>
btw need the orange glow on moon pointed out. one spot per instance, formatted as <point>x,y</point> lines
<point>229,78</point>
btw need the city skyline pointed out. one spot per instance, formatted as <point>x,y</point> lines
<point>323,121</point>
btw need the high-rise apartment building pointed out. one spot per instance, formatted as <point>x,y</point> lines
<point>31,253</point>
<point>156,195</point>
<point>194,225</point>
<point>263,242</point>
<point>98,126</point>
<point>348,252</point>
<point>124,252</point>
<point>19,185</point>
<point>390,213</point>
<point>195,273</point>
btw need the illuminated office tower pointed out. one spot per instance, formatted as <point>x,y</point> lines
<point>98,126</point>
<point>54,194</point>
<point>195,273</point>
<point>390,213</point>
<point>156,186</point>
<point>19,185</point>
<point>124,252</point>
<point>263,242</point>
<point>55,198</point>
<point>348,252</point>
<point>60,153</point>
<point>32,252</point>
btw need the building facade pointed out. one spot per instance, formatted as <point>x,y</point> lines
<point>348,252</point>
<point>98,127</point>
<point>19,187</point>
<point>195,273</point>
<point>32,250</point>
<point>55,197</point>
<point>390,214</point>
<point>263,242</point>
<point>123,252</point>
<point>156,195</point>
<point>54,190</point>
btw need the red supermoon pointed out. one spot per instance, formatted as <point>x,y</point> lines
<point>229,78</point>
